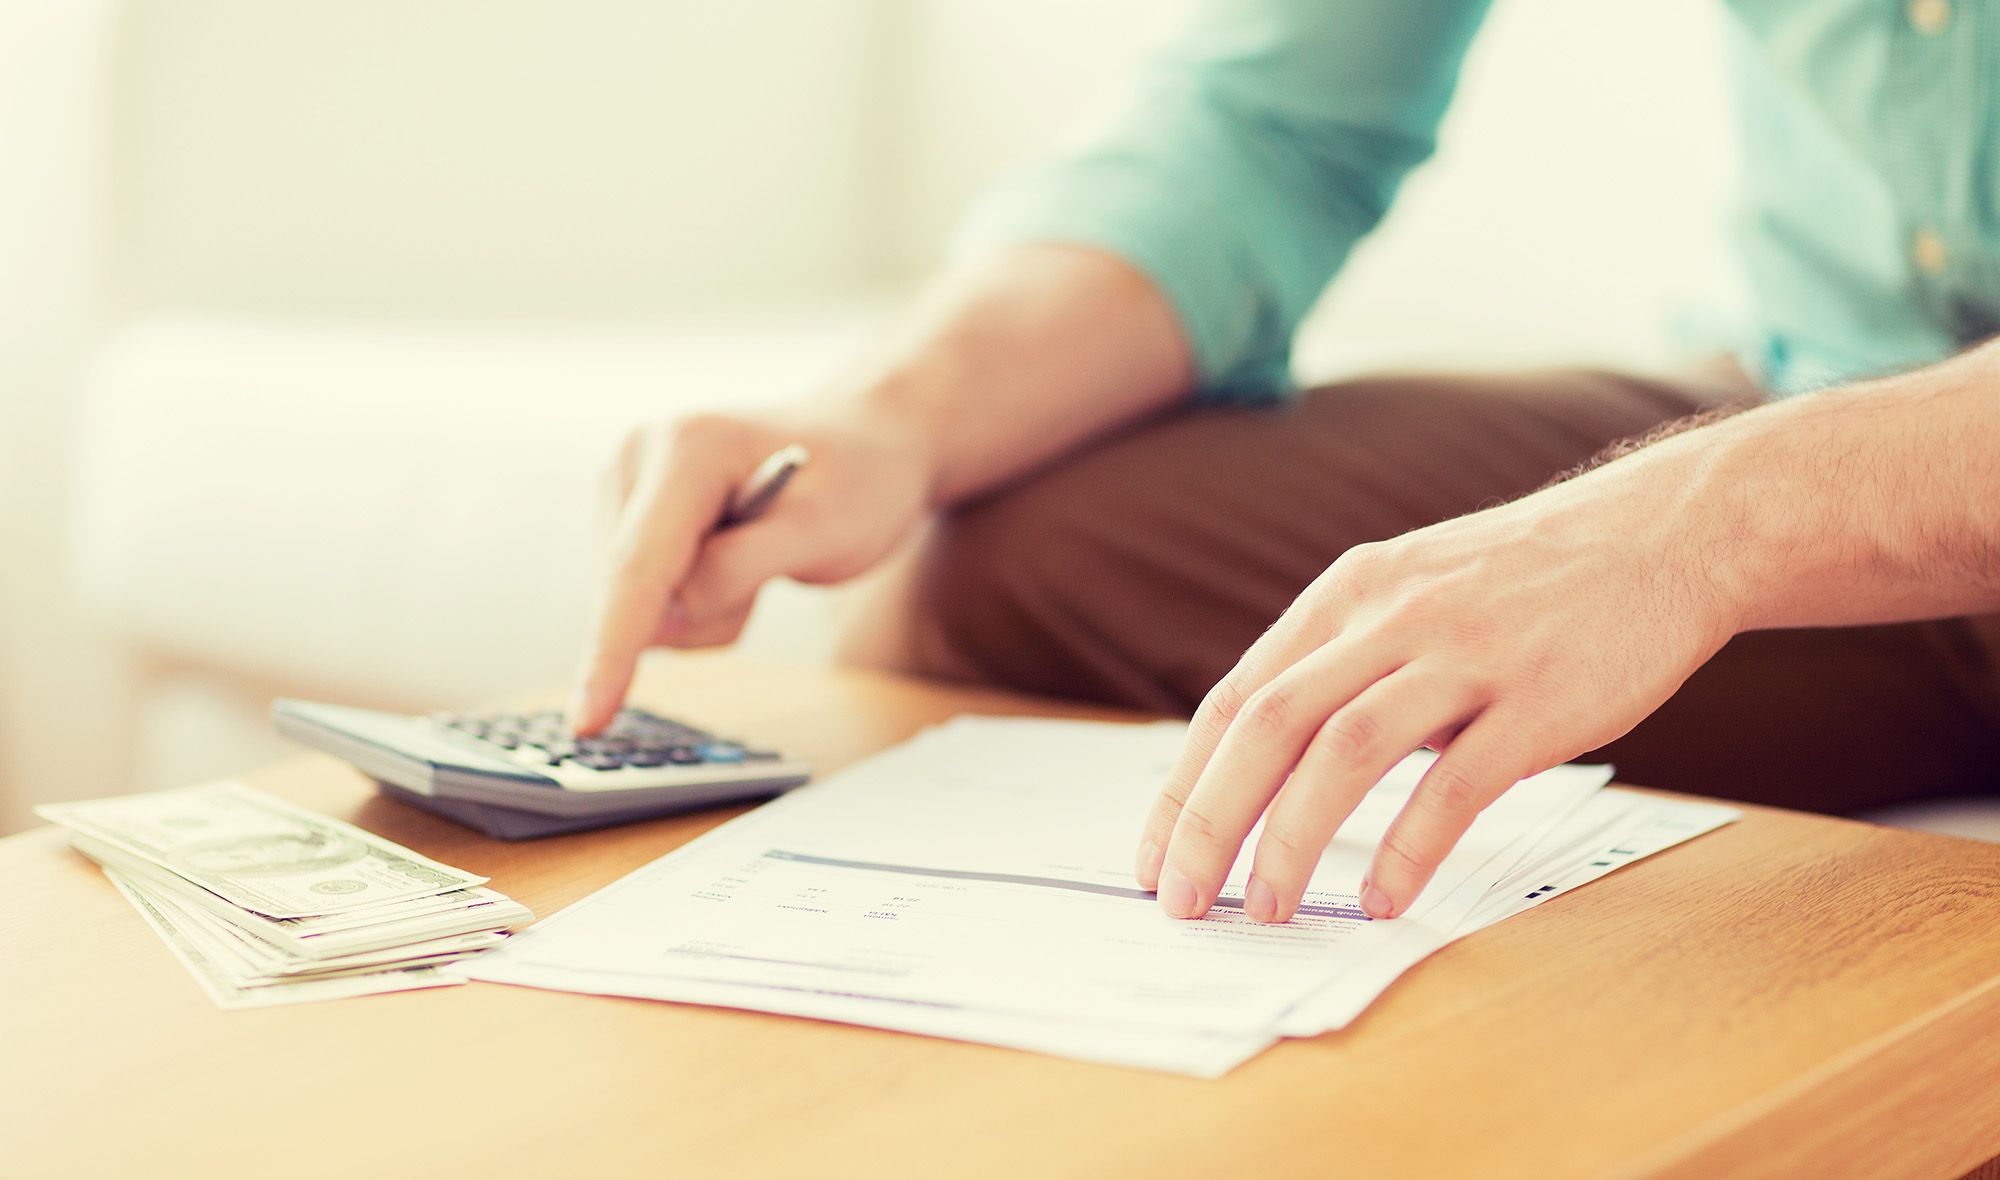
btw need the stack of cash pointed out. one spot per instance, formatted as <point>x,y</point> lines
<point>267,903</point>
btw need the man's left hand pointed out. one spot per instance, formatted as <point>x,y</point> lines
<point>1510,640</point>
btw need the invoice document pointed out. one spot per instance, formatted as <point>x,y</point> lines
<point>976,883</point>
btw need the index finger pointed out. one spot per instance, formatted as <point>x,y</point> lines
<point>1288,641</point>
<point>680,495</point>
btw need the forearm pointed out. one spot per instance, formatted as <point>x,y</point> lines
<point>1021,358</point>
<point>1875,503</point>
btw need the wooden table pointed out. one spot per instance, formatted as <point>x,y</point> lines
<point>1791,996</point>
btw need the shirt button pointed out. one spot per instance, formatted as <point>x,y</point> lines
<point>1928,252</point>
<point>1929,17</point>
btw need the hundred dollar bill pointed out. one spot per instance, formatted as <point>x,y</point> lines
<point>319,937</point>
<point>260,957</point>
<point>249,965</point>
<point>217,980</point>
<point>259,852</point>
<point>265,959</point>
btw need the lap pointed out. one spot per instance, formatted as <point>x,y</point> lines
<point>1137,570</point>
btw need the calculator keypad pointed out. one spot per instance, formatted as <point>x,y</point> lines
<point>636,739</point>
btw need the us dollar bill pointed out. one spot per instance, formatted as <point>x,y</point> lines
<point>325,936</point>
<point>259,852</point>
<point>226,987</point>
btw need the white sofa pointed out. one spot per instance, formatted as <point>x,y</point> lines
<point>332,311</point>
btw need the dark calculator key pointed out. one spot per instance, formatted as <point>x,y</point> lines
<point>761,755</point>
<point>599,761</point>
<point>683,755</point>
<point>647,758</point>
<point>559,749</point>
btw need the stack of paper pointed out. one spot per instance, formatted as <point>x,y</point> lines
<point>975,883</point>
<point>267,904</point>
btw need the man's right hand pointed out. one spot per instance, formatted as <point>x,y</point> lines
<point>1001,366</point>
<point>672,580</point>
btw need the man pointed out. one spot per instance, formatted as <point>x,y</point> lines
<point>1787,604</point>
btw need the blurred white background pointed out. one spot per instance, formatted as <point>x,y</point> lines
<point>317,319</point>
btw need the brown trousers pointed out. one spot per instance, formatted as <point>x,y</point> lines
<point>1135,572</point>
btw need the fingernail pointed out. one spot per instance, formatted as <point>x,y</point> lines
<point>1259,902</point>
<point>1375,903</point>
<point>1177,895</point>
<point>578,701</point>
<point>1148,862</point>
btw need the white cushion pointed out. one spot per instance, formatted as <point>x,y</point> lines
<point>395,514</point>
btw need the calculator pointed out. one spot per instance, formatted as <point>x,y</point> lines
<point>522,775</point>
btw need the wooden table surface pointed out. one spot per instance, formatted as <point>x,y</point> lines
<point>1791,996</point>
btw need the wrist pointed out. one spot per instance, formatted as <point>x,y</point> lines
<point>908,420</point>
<point>1687,508</point>
<point>1730,520</point>
<point>1782,534</point>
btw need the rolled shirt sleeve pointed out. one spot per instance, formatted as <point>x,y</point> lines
<point>1241,166</point>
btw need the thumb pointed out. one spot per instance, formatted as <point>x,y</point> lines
<point>732,565</point>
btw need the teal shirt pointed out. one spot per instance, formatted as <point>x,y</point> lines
<point>1257,148</point>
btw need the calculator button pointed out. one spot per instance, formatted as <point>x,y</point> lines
<point>559,749</point>
<point>683,755</point>
<point>599,761</point>
<point>761,755</point>
<point>725,752</point>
